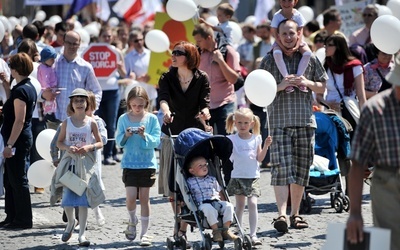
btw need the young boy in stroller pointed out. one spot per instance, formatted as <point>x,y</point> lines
<point>206,191</point>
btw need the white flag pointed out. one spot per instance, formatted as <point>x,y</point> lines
<point>263,7</point>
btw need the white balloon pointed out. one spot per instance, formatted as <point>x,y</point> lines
<point>320,54</point>
<point>40,173</point>
<point>260,87</point>
<point>113,21</point>
<point>7,25</point>
<point>213,20</point>
<point>23,21</point>
<point>307,13</point>
<point>236,32</point>
<point>394,6</point>
<point>320,20</point>
<point>14,21</point>
<point>55,19</point>
<point>129,87</point>
<point>208,3</point>
<point>40,15</point>
<point>250,20</point>
<point>2,31</point>
<point>181,10</point>
<point>385,34</point>
<point>383,10</point>
<point>93,29</point>
<point>85,37</point>
<point>157,41</point>
<point>42,143</point>
<point>77,25</point>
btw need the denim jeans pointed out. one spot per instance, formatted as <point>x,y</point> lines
<point>218,117</point>
<point>108,111</point>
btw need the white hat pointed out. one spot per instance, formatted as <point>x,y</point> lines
<point>394,76</point>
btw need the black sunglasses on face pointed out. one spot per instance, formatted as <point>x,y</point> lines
<point>368,15</point>
<point>178,53</point>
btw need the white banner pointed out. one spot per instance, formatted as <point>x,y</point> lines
<point>47,2</point>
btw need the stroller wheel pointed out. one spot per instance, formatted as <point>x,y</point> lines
<point>246,242</point>
<point>346,203</point>
<point>170,243</point>
<point>238,244</point>
<point>338,204</point>
<point>196,246</point>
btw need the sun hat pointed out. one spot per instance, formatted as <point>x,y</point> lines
<point>79,92</point>
<point>394,76</point>
<point>47,53</point>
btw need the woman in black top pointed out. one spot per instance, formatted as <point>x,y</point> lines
<point>17,136</point>
<point>184,91</point>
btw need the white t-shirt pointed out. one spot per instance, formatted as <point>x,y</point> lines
<point>331,93</point>
<point>244,156</point>
<point>297,17</point>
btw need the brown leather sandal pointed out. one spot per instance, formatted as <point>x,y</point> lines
<point>297,222</point>
<point>280,224</point>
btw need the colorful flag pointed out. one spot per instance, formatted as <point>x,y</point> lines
<point>76,6</point>
<point>103,9</point>
<point>137,11</point>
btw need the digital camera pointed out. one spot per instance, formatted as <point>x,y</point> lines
<point>133,130</point>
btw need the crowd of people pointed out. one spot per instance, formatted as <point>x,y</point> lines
<point>202,89</point>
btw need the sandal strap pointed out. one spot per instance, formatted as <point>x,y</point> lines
<point>279,219</point>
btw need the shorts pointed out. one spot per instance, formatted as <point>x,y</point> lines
<point>246,187</point>
<point>139,177</point>
<point>292,154</point>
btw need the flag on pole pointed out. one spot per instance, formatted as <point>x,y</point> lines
<point>137,11</point>
<point>103,9</point>
<point>76,6</point>
<point>234,3</point>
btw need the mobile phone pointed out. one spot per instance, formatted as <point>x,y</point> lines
<point>13,151</point>
<point>364,245</point>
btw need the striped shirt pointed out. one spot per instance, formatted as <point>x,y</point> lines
<point>71,75</point>
<point>204,188</point>
<point>377,137</point>
<point>294,109</point>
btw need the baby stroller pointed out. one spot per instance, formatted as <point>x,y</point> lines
<point>191,143</point>
<point>332,141</point>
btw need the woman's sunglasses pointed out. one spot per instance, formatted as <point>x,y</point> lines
<point>178,53</point>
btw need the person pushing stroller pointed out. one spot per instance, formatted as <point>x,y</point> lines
<point>206,192</point>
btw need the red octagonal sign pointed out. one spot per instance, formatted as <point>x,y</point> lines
<point>103,58</point>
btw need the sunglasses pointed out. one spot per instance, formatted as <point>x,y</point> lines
<point>318,41</point>
<point>178,53</point>
<point>137,40</point>
<point>368,15</point>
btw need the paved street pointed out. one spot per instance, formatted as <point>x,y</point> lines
<point>48,225</point>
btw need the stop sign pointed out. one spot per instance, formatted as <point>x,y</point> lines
<point>103,58</point>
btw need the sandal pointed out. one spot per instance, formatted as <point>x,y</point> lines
<point>298,222</point>
<point>280,224</point>
<point>130,232</point>
<point>145,241</point>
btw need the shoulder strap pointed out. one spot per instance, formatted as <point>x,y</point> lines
<point>336,86</point>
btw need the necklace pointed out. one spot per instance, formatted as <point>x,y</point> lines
<point>186,80</point>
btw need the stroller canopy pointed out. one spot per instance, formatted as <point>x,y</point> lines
<point>193,142</point>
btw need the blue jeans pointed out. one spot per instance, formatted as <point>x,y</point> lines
<point>108,111</point>
<point>218,117</point>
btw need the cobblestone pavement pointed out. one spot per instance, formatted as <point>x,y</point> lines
<point>48,225</point>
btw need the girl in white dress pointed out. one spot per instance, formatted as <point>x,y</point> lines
<point>76,138</point>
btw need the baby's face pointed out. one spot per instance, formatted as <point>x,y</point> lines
<point>199,167</point>
<point>50,61</point>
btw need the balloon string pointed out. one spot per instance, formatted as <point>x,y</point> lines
<point>269,129</point>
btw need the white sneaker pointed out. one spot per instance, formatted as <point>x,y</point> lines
<point>255,241</point>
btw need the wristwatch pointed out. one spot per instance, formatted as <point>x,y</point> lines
<point>9,146</point>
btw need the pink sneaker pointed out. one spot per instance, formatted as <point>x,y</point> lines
<point>289,89</point>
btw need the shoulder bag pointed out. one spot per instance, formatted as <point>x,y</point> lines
<point>349,107</point>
